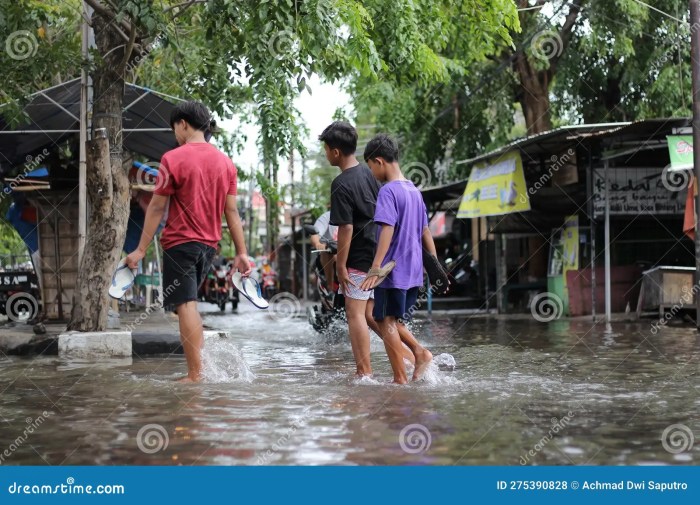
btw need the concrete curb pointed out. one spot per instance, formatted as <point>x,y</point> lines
<point>100,344</point>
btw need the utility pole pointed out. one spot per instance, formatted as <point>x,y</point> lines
<point>695,66</point>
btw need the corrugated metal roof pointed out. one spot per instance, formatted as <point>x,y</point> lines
<point>53,117</point>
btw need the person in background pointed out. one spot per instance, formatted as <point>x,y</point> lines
<point>328,232</point>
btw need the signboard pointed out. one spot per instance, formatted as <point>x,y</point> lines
<point>680,148</point>
<point>638,191</point>
<point>569,239</point>
<point>495,189</point>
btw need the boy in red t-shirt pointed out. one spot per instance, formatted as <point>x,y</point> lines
<point>196,184</point>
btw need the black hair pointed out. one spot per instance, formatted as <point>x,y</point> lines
<point>196,115</point>
<point>340,135</point>
<point>382,146</point>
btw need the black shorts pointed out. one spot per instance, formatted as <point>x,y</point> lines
<point>394,302</point>
<point>185,266</point>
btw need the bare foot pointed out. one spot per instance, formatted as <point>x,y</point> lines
<point>423,359</point>
<point>189,380</point>
<point>400,381</point>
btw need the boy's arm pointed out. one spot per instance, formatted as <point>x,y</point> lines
<point>385,236</point>
<point>235,228</point>
<point>428,243</point>
<point>341,259</point>
<point>154,215</point>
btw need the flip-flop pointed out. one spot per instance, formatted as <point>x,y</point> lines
<point>250,289</point>
<point>437,276</point>
<point>381,273</point>
<point>122,280</point>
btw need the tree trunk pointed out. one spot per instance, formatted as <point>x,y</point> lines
<point>533,94</point>
<point>108,215</point>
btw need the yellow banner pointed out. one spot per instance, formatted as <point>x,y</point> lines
<point>495,189</point>
<point>571,247</point>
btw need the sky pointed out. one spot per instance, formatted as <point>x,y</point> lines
<point>316,111</point>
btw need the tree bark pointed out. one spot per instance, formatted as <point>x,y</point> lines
<point>107,186</point>
<point>533,94</point>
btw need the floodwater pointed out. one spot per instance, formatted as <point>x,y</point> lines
<point>522,392</point>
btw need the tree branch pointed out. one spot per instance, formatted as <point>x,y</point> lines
<point>106,13</point>
<point>567,29</point>
<point>127,51</point>
<point>184,6</point>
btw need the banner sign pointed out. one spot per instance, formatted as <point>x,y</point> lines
<point>495,189</point>
<point>639,191</point>
<point>571,245</point>
<point>680,148</point>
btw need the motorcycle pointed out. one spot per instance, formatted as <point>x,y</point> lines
<point>332,305</point>
<point>221,290</point>
<point>269,283</point>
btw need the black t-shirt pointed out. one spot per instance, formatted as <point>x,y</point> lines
<point>353,199</point>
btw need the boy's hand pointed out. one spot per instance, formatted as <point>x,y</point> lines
<point>242,264</point>
<point>369,283</point>
<point>344,279</point>
<point>132,260</point>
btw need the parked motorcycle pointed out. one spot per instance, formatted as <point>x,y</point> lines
<point>332,306</point>
<point>221,290</point>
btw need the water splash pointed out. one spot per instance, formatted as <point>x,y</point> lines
<point>223,362</point>
<point>445,361</point>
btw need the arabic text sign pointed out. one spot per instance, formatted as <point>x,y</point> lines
<point>636,191</point>
<point>495,189</point>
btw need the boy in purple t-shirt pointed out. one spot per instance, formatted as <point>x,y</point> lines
<point>402,223</point>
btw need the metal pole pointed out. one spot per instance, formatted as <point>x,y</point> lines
<point>592,218</point>
<point>695,66</point>
<point>82,161</point>
<point>608,300</point>
<point>304,266</point>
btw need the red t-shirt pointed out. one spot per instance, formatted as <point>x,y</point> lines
<point>197,177</point>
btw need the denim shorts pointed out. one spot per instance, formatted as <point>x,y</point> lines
<point>394,302</point>
<point>355,292</point>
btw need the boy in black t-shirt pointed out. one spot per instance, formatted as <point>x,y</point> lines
<point>353,199</point>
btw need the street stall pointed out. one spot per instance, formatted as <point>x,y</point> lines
<point>39,167</point>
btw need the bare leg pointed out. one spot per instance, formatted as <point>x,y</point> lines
<point>374,325</point>
<point>394,348</point>
<point>192,338</point>
<point>359,334</point>
<point>423,355</point>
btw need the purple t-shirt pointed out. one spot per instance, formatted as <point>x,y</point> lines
<point>400,204</point>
